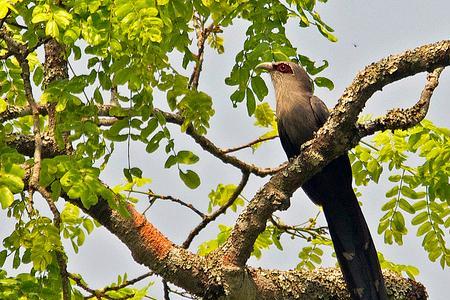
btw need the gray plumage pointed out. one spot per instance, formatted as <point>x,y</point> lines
<point>299,115</point>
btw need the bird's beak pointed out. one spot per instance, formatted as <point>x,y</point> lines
<point>265,66</point>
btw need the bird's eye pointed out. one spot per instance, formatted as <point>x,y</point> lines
<point>284,68</point>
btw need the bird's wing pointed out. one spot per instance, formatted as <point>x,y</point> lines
<point>289,147</point>
<point>320,110</point>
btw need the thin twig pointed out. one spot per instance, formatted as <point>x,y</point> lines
<point>258,140</point>
<point>166,290</point>
<point>152,196</point>
<point>128,282</point>
<point>101,293</point>
<point>182,294</point>
<point>304,232</point>
<point>202,35</point>
<point>79,282</point>
<point>211,217</point>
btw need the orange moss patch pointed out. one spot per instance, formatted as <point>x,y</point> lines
<point>159,244</point>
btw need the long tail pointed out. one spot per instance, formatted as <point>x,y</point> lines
<point>332,188</point>
<point>354,249</point>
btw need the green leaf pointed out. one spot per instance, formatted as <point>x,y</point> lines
<point>324,82</point>
<point>13,182</point>
<point>259,87</point>
<point>6,197</point>
<point>399,222</point>
<point>56,190</point>
<point>127,174</point>
<point>3,105</point>
<point>3,255</point>
<point>237,96</point>
<point>62,17</point>
<point>40,17</point>
<point>88,225</point>
<point>326,33</point>
<point>3,11</point>
<point>37,76</point>
<point>392,192</point>
<point>51,29</point>
<point>424,228</point>
<point>251,103</point>
<point>264,115</point>
<point>171,161</point>
<point>395,178</point>
<point>419,205</point>
<point>420,218</point>
<point>190,178</point>
<point>187,157</point>
<point>136,172</point>
<point>408,192</point>
<point>406,206</point>
<point>389,205</point>
<point>16,259</point>
<point>154,142</point>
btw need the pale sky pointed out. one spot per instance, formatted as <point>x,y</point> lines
<point>367,31</point>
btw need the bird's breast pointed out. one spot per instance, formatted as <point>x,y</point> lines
<point>297,119</point>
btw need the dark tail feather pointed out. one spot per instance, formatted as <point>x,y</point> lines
<point>354,248</point>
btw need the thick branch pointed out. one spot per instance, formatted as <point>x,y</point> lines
<point>325,283</point>
<point>333,139</point>
<point>206,277</point>
<point>150,247</point>
<point>405,118</point>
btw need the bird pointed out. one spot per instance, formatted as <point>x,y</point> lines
<point>299,115</point>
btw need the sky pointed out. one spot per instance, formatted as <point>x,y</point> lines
<point>367,31</point>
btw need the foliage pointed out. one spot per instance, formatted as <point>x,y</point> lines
<point>311,256</point>
<point>29,286</point>
<point>421,191</point>
<point>221,195</point>
<point>410,271</point>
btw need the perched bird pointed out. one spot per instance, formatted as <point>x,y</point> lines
<point>299,115</point>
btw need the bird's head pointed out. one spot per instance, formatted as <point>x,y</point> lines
<point>288,75</point>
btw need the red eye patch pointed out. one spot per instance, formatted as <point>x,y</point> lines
<point>283,68</point>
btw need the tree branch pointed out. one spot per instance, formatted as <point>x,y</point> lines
<point>20,53</point>
<point>210,147</point>
<point>202,35</point>
<point>152,196</point>
<point>258,140</point>
<point>60,255</point>
<point>316,284</point>
<point>405,118</point>
<point>333,139</point>
<point>211,217</point>
<point>13,112</point>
